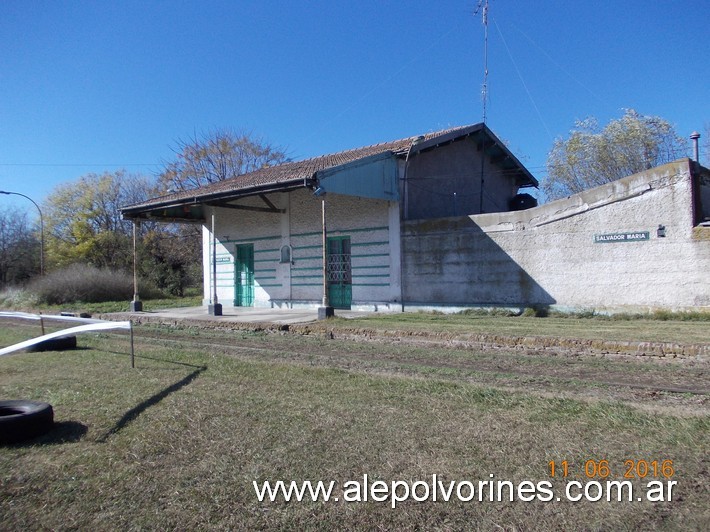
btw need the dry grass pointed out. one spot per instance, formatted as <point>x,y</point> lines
<point>177,443</point>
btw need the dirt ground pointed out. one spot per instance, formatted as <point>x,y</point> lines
<point>671,378</point>
<point>638,375</point>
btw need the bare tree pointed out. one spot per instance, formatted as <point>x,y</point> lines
<point>219,155</point>
<point>19,248</point>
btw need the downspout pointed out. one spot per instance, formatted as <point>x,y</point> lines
<point>695,171</point>
<point>404,177</point>
<point>290,264</point>
<point>483,170</point>
<point>403,218</point>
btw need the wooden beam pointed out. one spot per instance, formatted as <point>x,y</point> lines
<point>246,207</point>
<point>153,218</point>
<point>271,205</point>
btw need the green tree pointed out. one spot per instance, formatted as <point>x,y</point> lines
<point>171,257</point>
<point>83,221</point>
<point>219,155</point>
<point>592,157</point>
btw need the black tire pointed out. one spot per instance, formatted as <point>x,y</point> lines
<point>54,344</point>
<point>21,420</point>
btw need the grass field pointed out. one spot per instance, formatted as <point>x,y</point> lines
<point>178,442</point>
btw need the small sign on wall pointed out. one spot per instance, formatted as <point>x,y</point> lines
<point>637,236</point>
<point>223,260</point>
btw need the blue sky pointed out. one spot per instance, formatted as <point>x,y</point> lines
<point>93,86</point>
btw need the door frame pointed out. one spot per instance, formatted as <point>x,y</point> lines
<point>244,275</point>
<point>339,271</point>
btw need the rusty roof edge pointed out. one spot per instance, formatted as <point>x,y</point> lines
<point>132,211</point>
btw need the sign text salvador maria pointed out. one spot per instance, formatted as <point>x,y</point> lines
<point>637,236</point>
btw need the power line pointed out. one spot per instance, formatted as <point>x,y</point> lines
<point>78,164</point>
<point>532,100</point>
<point>558,65</point>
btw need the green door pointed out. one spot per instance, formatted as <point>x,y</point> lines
<point>340,281</point>
<point>244,276</point>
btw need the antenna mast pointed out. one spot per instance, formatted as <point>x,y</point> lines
<point>484,90</point>
<point>484,93</point>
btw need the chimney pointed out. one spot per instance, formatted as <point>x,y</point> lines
<point>694,136</point>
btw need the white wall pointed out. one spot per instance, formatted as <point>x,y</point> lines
<point>548,256</point>
<point>373,227</point>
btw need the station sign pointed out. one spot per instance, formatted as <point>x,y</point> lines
<point>631,236</point>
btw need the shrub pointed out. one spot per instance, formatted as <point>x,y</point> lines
<point>490,312</point>
<point>669,315</point>
<point>84,283</point>
<point>16,297</point>
<point>536,312</point>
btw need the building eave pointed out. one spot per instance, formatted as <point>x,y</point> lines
<point>152,210</point>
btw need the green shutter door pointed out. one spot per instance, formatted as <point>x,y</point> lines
<point>340,287</point>
<point>244,276</point>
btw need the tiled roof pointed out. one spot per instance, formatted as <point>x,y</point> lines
<point>292,175</point>
<point>292,172</point>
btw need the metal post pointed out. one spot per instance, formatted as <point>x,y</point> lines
<point>326,311</point>
<point>694,136</point>
<point>41,242</point>
<point>136,304</point>
<point>214,263</point>
<point>133,357</point>
<point>214,309</point>
<point>325,256</point>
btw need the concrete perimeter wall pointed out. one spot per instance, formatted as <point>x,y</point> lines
<point>600,249</point>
